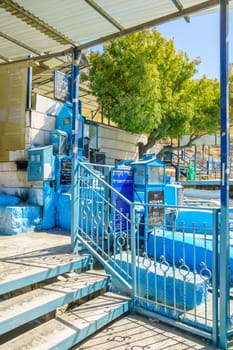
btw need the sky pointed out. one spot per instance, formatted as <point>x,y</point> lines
<point>200,38</point>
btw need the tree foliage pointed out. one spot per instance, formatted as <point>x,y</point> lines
<point>144,85</point>
<point>231,93</point>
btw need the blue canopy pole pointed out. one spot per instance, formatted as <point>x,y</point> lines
<point>224,231</point>
<point>74,188</point>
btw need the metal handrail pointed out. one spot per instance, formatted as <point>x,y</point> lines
<point>93,238</point>
<point>166,260</point>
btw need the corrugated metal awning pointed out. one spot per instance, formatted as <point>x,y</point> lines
<point>47,30</point>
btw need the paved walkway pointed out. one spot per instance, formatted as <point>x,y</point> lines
<point>135,332</point>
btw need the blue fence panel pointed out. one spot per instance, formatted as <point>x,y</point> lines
<point>170,267</point>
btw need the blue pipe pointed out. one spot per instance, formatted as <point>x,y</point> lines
<point>224,189</point>
<point>74,141</point>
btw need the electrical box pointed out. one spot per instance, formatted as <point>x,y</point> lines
<point>41,164</point>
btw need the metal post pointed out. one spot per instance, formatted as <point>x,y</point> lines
<point>133,251</point>
<point>215,274</point>
<point>208,161</point>
<point>195,160</point>
<point>224,231</point>
<point>178,165</point>
<point>29,87</point>
<point>74,191</point>
<point>202,158</point>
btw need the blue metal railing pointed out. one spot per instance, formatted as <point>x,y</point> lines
<point>204,169</point>
<point>169,263</point>
<point>178,266</point>
<point>106,231</point>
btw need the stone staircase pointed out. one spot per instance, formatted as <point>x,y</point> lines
<point>51,299</point>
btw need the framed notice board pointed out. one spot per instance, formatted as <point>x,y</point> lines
<point>62,86</point>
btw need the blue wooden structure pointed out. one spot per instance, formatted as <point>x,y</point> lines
<point>149,179</point>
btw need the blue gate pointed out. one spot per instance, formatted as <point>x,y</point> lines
<point>175,276</point>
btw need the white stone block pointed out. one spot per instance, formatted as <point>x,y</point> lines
<point>42,122</point>
<point>7,166</point>
<point>17,155</point>
<point>14,179</point>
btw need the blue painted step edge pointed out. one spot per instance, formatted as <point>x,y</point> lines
<point>46,273</point>
<point>58,301</point>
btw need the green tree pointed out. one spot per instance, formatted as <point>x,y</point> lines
<point>144,85</point>
<point>231,93</point>
<point>205,96</point>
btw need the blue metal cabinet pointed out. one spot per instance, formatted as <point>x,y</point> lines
<point>41,164</point>
<point>173,194</point>
<point>149,184</point>
<point>149,176</point>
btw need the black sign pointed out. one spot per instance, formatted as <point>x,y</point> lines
<point>66,172</point>
<point>155,213</point>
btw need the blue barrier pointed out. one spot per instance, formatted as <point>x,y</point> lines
<point>8,199</point>
<point>63,210</point>
<point>174,246</point>
<point>20,219</point>
<point>194,221</point>
<point>152,278</point>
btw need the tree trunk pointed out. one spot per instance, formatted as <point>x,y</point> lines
<point>140,150</point>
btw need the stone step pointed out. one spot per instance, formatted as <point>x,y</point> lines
<point>22,270</point>
<point>72,327</point>
<point>35,303</point>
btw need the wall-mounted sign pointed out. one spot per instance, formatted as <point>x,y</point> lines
<point>62,86</point>
<point>122,181</point>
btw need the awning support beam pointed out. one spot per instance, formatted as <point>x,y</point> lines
<point>224,230</point>
<point>76,56</point>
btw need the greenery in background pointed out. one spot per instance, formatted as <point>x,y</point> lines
<point>231,93</point>
<point>145,86</point>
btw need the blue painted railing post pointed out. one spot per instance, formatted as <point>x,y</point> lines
<point>202,157</point>
<point>215,274</point>
<point>74,191</point>
<point>224,231</point>
<point>208,161</point>
<point>178,165</point>
<point>195,160</point>
<point>133,228</point>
